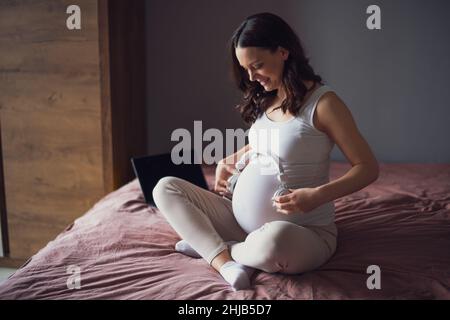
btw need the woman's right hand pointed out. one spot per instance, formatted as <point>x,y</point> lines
<point>223,172</point>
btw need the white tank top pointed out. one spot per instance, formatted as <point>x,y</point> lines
<point>304,154</point>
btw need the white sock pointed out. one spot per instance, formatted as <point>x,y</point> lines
<point>236,274</point>
<point>185,248</point>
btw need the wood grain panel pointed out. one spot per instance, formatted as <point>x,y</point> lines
<point>50,116</point>
<point>127,73</point>
<point>72,111</point>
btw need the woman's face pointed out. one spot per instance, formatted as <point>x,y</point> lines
<point>263,66</point>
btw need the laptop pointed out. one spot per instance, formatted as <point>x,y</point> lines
<point>149,169</point>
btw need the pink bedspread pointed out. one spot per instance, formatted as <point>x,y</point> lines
<point>125,249</point>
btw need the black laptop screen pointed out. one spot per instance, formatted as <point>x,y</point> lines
<point>150,169</point>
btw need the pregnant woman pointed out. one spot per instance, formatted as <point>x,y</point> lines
<point>281,214</point>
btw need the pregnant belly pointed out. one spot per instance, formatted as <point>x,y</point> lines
<point>252,198</point>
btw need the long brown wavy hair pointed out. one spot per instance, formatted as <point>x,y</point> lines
<point>268,31</point>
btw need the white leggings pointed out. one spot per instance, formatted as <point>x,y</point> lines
<point>205,220</point>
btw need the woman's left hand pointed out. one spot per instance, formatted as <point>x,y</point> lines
<point>298,200</point>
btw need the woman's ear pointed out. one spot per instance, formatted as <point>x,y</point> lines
<point>284,53</point>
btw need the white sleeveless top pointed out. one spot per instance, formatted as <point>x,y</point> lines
<point>304,154</point>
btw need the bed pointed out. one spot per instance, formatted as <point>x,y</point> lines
<point>124,249</point>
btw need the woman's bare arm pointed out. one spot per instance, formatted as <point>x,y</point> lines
<point>334,118</point>
<point>233,158</point>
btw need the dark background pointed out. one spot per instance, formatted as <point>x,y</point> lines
<point>394,80</point>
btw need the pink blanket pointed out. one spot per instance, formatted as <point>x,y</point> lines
<point>124,249</point>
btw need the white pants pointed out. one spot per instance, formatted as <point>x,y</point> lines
<point>205,220</point>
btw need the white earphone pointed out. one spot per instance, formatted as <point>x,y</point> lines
<point>250,155</point>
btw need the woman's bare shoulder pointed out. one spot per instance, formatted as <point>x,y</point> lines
<point>328,102</point>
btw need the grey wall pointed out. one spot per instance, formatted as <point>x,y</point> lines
<point>394,80</point>
<point>188,65</point>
